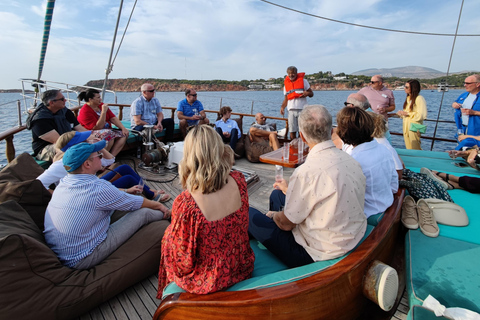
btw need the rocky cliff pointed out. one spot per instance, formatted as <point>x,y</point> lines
<point>133,85</point>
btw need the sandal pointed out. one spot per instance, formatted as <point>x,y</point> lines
<point>447,176</point>
<point>164,198</point>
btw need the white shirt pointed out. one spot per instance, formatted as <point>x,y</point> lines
<point>467,104</point>
<point>396,158</point>
<point>325,198</point>
<point>382,179</point>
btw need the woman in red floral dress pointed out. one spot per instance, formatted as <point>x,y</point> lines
<point>206,248</point>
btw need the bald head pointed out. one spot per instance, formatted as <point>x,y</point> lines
<point>260,118</point>
<point>358,100</point>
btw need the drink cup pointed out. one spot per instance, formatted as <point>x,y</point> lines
<point>301,146</point>
<point>286,151</point>
<point>278,173</point>
<point>140,184</point>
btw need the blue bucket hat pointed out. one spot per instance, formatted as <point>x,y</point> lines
<point>76,155</point>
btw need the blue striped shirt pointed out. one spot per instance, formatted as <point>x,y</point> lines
<point>78,215</point>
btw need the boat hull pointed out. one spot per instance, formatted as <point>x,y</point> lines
<point>334,293</point>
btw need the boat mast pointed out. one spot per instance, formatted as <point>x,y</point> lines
<point>43,50</point>
<point>109,66</point>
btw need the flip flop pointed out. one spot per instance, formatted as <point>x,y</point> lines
<point>164,198</point>
<point>434,177</point>
<point>448,213</point>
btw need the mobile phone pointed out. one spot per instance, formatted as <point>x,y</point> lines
<point>460,164</point>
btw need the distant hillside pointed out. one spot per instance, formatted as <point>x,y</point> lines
<point>403,72</point>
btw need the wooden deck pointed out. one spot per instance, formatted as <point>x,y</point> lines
<point>139,301</point>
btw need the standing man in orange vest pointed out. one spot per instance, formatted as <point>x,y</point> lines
<point>296,90</point>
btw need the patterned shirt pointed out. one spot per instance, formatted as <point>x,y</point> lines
<point>325,198</point>
<point>78,215</point>
<point>148,110</point>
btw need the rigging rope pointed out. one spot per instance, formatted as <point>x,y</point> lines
<point>448,71</point>
<point>371,27</point>
<point>46,35</point>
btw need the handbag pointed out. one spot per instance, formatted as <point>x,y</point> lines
<point>417,127</point>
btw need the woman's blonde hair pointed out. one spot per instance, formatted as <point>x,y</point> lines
<point>380,125</point>
<point>206,161</point>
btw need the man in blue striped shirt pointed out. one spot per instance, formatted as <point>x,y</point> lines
<point>77,219</point>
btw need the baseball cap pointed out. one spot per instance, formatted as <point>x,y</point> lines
<point>71,138</point>
<point>76,155</point>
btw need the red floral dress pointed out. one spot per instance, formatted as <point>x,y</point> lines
<point>204,256</point>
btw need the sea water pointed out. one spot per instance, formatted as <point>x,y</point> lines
<point>267,102</point>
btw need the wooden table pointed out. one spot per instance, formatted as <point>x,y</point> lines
<point>276,157</point>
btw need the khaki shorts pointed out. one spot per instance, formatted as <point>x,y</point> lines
<point>47,153</point>
<point>293,120</point>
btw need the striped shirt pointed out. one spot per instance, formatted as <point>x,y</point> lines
<point>78,215</point>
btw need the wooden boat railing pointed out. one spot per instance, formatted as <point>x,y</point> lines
<point>9,134</point>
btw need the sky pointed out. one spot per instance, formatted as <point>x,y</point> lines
<point>231,39</point>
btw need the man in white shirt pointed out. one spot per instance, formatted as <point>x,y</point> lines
<point>319,214</point>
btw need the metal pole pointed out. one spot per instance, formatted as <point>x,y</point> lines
<point>251,110</point>
<point>448,70</point>
<point>109,67</point>
<point>19,110</point>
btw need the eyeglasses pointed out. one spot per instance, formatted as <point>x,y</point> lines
<point>348,104</point>
<point>61,99</point>
<point>193,95</point>
<point>407,87</point>
<point>373,82</point>
<point>100,155</point>
<point>153,90</point>
<point>465,83</point>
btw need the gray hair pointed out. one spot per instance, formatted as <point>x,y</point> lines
<point>359,103</point>
<point>49,95</point>
<point>145,86</point>
<point>315,123</point>
<point>292,68</point>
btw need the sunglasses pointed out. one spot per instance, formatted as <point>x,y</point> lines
<point>100,155</point>
<point>61,99</point>
<point>153,90</point>
<point>465,83</point>
<point>373,82</point>
<point>347,104</point>
<point>193,95</point>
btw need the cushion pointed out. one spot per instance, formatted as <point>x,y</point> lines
<point>36,285</point>
<point>270,272</point>
<point>18,182</point>
<point>443,267</point>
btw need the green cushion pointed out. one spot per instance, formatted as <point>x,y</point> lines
<point>446,268</point>
<point>269,271</point>
<point>375,219</point>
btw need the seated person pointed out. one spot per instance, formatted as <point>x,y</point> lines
<point>198,247</point>
<point>470,155</point>
<point>48,121</point>
<point>95,115</point>
<point>261,132</point>
<point>227,128</point>
<point>379,136</point>
<point>77,219</point>
<point>190,112</point>
<point>146,109</point>
<point>121,177</point>
<point>319,214</point>
<point>355,127</point>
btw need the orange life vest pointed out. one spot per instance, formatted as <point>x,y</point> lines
<point>290,86</point>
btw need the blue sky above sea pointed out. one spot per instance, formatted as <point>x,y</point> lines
<point>231,40</point>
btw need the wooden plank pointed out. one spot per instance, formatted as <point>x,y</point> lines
<point>146,298</point>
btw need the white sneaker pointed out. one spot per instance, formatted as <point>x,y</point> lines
<point>409,213</point>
